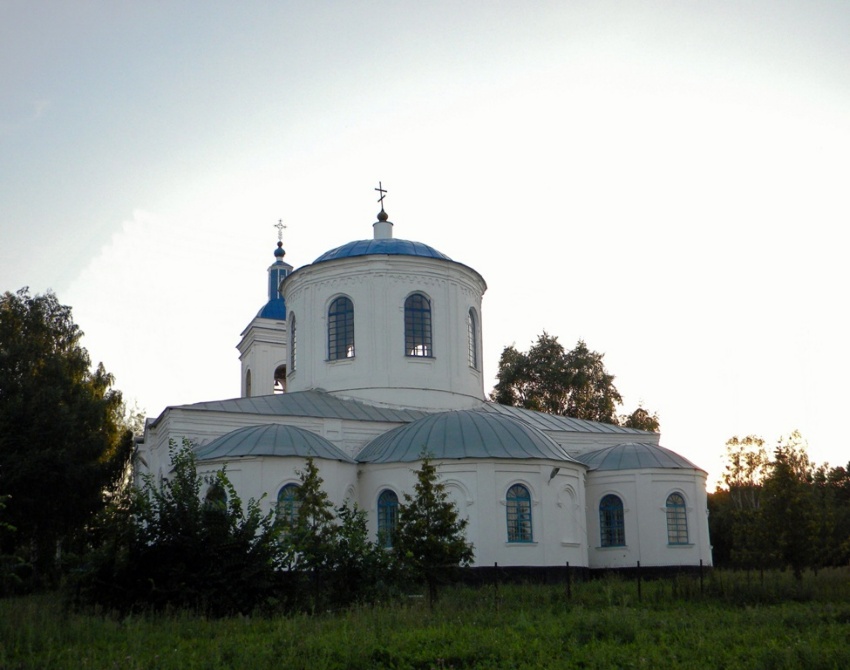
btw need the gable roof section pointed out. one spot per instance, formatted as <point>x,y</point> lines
<point>314,404</point>
<point>544,421</point>
<point>635,456</point>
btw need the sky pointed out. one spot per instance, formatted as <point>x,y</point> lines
<point>665,180</point>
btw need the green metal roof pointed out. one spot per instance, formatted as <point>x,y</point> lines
<point>315,404</point>
<point>271,440</point>
<point>635,456</point>
<point>544,421</point>
<point>463,434</point>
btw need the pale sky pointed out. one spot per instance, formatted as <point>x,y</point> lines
<point>666,180</point>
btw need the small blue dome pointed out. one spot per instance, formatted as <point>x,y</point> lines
<point>271,440</point>
<point>274,309</point>
<point>462,434</point>
<point>389,247</point>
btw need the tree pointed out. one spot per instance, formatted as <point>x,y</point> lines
<point>165,545</point>
<point>736,522</point>
<point>362,569</point>
<point>8,563</point>
<point>746,468</point>
<point>570,383</point>
<point>327,552</point>
<point>641,419</point>
<point>430,536</point>
<point>308,537</point>
<point>780,511</point>
<point>62,441</point>
<point>788,511</point>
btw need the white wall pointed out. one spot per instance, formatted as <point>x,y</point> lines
<point>380,372</point>
<point>479,486</point>
<point>644,495</point>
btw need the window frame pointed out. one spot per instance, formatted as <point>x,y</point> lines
<point>290,503</point>
<point>472,338</point>
<point>418,326</point>
<point>215,499</point>
<point>340,328</point>
<point>676,513</point>
<point>518,514</point>
<point>293,343</point>
<point>612,521</point>
<point>387,518</point>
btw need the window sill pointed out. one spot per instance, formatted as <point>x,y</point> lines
<point>520,543</point>
<point>680,545</point>
<point>613,547</point>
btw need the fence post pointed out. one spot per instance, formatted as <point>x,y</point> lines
<point>496,583</point>
<point>640,598</point>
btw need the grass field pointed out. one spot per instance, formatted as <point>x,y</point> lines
<point>737,621</point>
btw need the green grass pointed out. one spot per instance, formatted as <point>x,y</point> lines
<point>737,622</point>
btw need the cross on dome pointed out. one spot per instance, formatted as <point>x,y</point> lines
<point>383,193</point>
<point>280,228</point>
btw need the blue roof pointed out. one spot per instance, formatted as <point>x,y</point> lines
<point>274,309</point>
<point>635,456</point>
<point>271,440</point>
<point>389,247</point>
<point>462,434</point>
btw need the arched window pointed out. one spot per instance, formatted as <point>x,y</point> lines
<point>248,384</point>
<point>387,517</point>
<point>417,326</point>
<point>293,342</point>
<point>612,525</point>
<point>216,498</point>
<point>288,503</point>
<point>341,329</point>
<point>280,379</point>
<point>677,519</point>
<point>472,337</point>
<point>519,514</point>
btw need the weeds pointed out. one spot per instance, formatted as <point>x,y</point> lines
<point>735,622</point>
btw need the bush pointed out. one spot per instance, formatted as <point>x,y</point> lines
<point>164,547</point>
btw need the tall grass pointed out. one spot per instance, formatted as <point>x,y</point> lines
<point>738,621</point>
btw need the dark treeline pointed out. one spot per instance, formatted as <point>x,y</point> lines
<point>779,510</point>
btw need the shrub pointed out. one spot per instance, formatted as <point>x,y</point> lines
<point>164,547</point>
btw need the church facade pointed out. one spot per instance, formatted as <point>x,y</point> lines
<point>371,356</point>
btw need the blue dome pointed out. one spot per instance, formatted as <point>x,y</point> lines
<point>462,434</point>
<point>274,309</point>
<point>271,440</point>
<point>389,247</point>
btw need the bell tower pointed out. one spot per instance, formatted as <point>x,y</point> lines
<point>263,347</point>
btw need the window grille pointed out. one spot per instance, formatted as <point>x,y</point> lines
<point>417,326</point>
<point>293,343</point>
<point>341,329</point>
<point>519,514</point>
<point>677,519</point>
<point>288,503</point>
<point>472,338</point>
<point>387,517</point>
<point>612,525</point>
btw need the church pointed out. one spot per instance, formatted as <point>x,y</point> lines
<point>369,357</point>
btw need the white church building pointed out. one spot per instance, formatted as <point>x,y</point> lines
<point>371,355</point>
